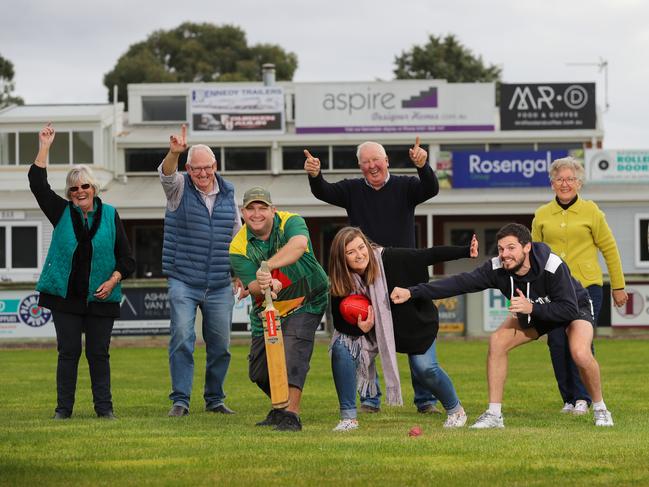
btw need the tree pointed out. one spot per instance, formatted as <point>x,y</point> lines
<point>197,52</point>
<point>445,59</point>
<point>7,84</point>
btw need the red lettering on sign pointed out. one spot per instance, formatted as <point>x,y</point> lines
<point>272,326</point>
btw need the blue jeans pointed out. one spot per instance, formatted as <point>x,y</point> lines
<point>569,382</point>
<point>216,306</point>
<point>423,397</point>
<point>432,378</point>
<point>429,374</point>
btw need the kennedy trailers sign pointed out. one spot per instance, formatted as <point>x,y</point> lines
<point>547,106</point>
<point>397,106</point>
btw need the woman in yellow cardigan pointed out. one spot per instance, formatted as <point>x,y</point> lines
<point>576,229</point>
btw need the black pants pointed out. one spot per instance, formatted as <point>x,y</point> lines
<point>69,328</point>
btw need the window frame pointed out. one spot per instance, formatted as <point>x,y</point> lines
<point>70,148</point>
<point>640,239</point>
<point>8,225</point>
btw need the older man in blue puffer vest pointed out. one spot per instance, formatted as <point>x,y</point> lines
<point>200,220</point>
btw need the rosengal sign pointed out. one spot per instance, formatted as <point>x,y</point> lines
<point>498,169</point>
<point>547,106</point>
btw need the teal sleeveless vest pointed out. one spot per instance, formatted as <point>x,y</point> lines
<point>58,264</point>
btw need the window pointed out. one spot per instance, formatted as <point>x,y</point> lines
<point>344,157</point>
<point>19,244</point>
<point>510,147</point>
<point>27,147</point>
<point>560,146</point>
<point>399,156</point>
<point>246,159</point>
<point>69,147</point>
<point>148,250</point>
<point>82,148</point>
<point>60,149</point>
<point>462,147</point>
<point>164,108</point>
<point>148,160</point>
<point>642,240</point>
<point>293,157</point>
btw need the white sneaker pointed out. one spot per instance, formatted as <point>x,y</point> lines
<point>567,408</point>
<point>603,417</point>
<point>488,420</point>
<point>346,425</point>
<point>455,420</point>
<point>581,407</point>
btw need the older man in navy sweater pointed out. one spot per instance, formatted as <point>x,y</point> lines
<point>383,206</point>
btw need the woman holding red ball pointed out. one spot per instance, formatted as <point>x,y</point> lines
<point>358,267</point>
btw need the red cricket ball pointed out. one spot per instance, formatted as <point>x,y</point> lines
<point>414,431</point>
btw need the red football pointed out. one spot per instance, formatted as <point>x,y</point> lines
<point>352,306</point>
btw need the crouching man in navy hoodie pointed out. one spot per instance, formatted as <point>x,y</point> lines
<point>543,296</point>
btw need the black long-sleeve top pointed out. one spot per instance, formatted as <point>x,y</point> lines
<point>555,295</point>
<point>416,321</point>
<point>386,215</point>
<point>75,301</point>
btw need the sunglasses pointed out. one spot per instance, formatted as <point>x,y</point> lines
<point>74,189</point>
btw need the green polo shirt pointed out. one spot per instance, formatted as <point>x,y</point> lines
<point>304,283</point>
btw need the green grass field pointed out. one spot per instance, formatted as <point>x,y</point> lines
<point>539,446</point>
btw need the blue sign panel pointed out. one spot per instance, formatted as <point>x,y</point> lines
<point>503,169</point>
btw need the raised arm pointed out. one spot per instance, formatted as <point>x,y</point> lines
<point>336,194</point>
<point>427,186</point>
<point>51,203</point>
<point>177,145</point>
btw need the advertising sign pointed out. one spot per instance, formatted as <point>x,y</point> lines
<point>144,311</point>
<point>547,106</point>
<point>21,316</point>
<point>230,108</point>
<point>615,166</point>
<point>397,106</point>
<point>502,169</point>
<point>494,308</point>
<point>636,310</point>
<point>452,315</point>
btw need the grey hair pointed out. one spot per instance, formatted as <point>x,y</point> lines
<point>199,147</point>
<point>369,143</point>
<point>567,163</point>
<point>79,174</point>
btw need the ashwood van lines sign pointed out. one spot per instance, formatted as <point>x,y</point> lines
<point>547,106</point>
<point>398,106</point>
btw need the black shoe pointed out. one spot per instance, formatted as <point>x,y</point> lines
<point>107,415</point>
<point>429,409</point>
<point>220,409</point>
<point>177,411</point>
<point>273,418</point>
<point>60,415</point>
<point>290,422</point>
<point>366,408</point>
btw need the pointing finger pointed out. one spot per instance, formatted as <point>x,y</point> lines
<point>416,143</point>
<point>308,154</point>
<point>183,134</point>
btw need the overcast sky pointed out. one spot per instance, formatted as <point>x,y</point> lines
<point>62,49</point>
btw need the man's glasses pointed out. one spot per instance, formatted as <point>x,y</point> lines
<point>74,189</point>
<point>198,170</point>
<point>565,180</point>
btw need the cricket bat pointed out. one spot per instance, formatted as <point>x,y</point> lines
<point>275,356</point>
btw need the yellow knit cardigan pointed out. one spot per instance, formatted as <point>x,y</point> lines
<point>575,235</point>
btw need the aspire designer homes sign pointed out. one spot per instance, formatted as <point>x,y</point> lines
<point>547,106</point>
<point>397,106</point>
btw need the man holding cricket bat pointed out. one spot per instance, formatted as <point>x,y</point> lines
<point>299,290</point>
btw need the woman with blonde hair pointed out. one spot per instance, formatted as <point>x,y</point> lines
<point>576,230</point>
<point>88,257</point>
<point>358,267</point>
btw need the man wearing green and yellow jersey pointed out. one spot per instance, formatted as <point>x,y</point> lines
<point>300,290</point>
